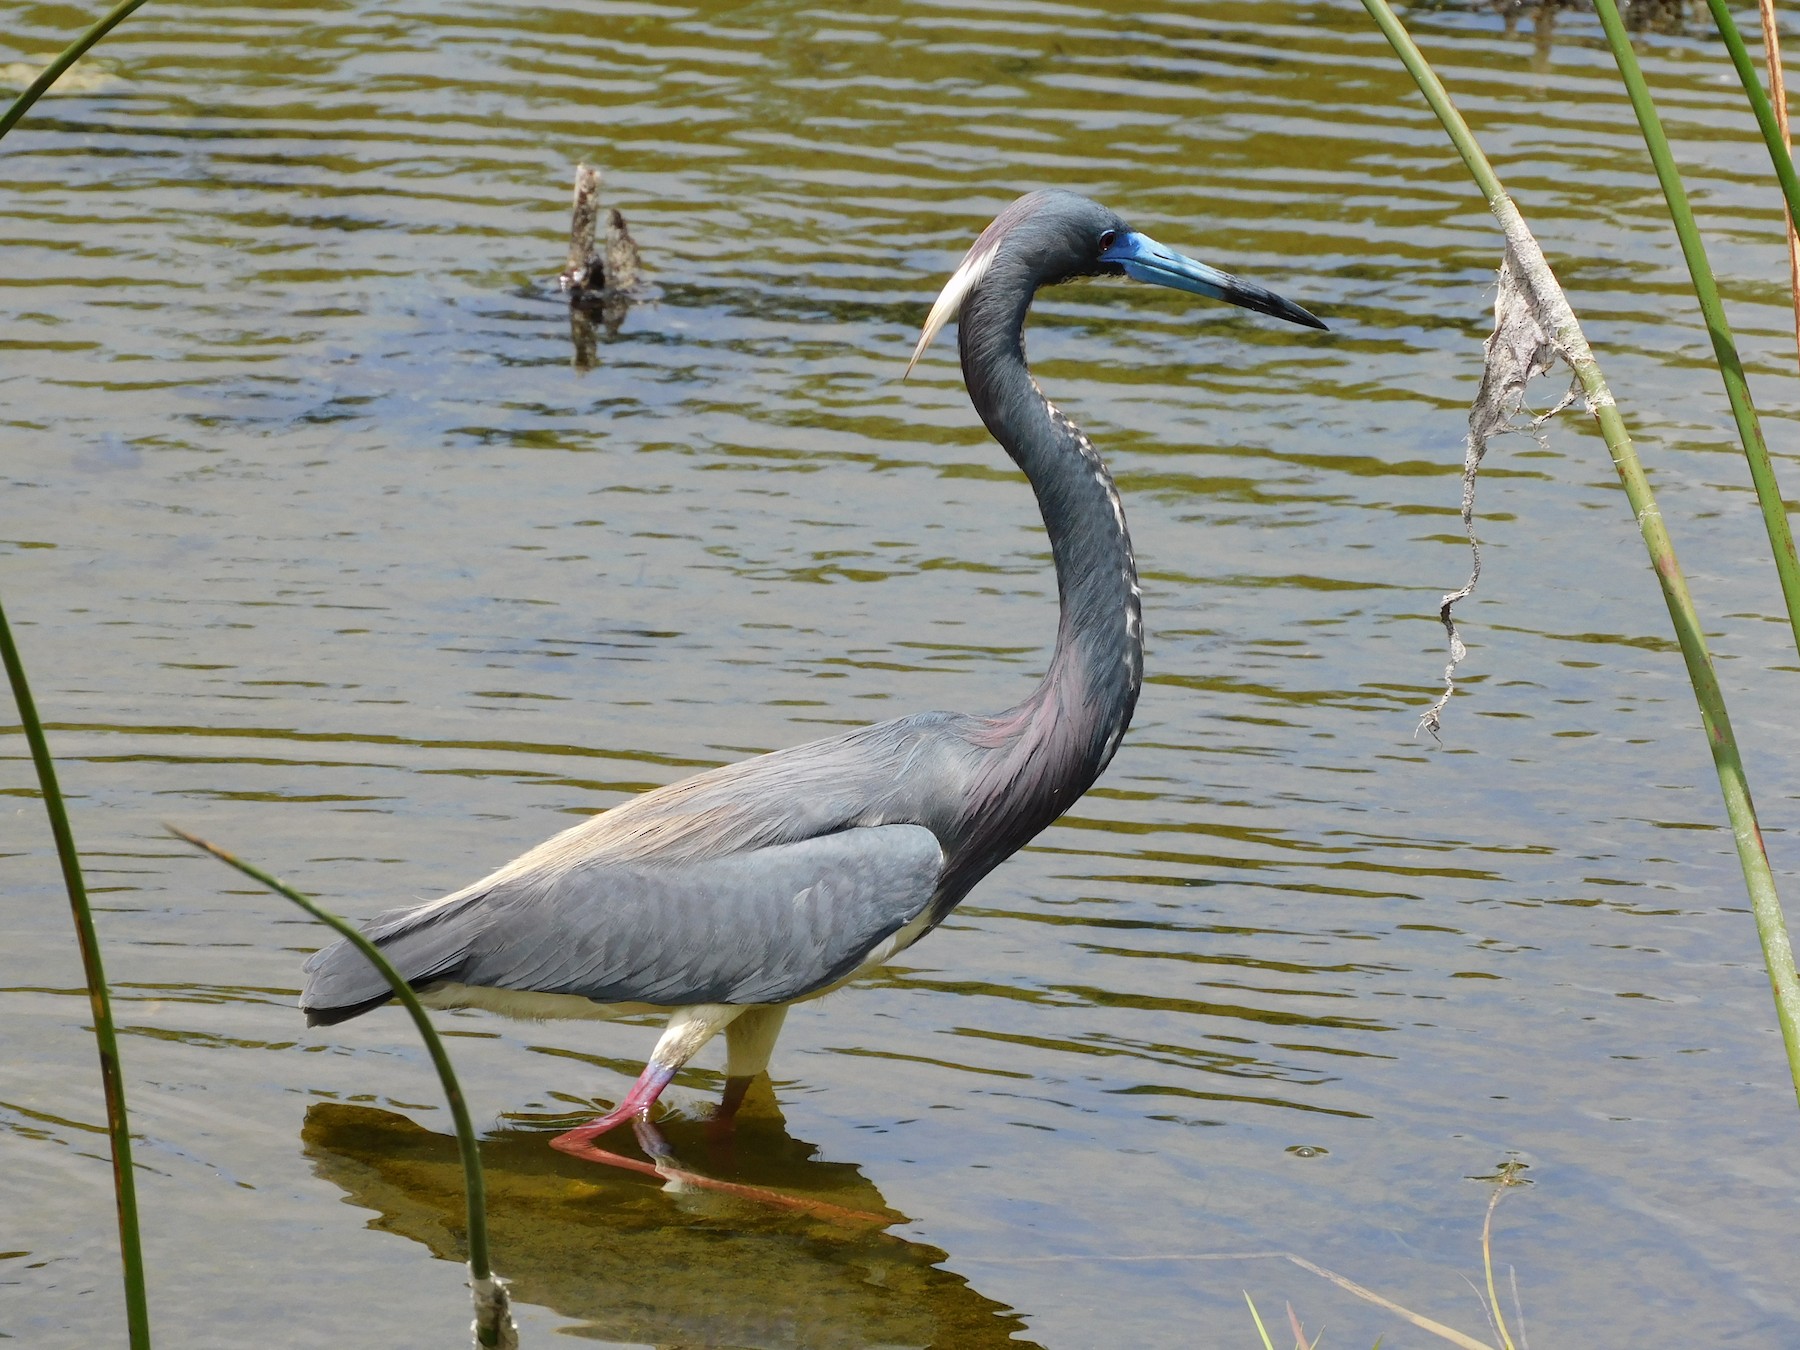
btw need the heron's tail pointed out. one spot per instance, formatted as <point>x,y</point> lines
<point>423,942</point>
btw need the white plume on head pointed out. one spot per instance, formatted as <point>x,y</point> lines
<point>980,257</point>
<point>974,267</point>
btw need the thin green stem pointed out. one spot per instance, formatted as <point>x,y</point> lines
<point>494,1325</point>
<point>479,1264</point>
<point>69,56</point>
<point>1753,858</point>
<point>137,1307</point>
<point>1706,290</point>
<point>1760,105</point>
<point>1783,147</point>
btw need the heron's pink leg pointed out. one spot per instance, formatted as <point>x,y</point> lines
<point>688,1029</point>
<point>637,1102</point>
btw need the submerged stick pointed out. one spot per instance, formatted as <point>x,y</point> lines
<point>1349,1286</point>
<point>1368,1295</point>
<point>112,1082</point>
<point>1560,323</point>
<point>494,1329</point>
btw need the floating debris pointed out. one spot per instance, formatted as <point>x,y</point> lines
<point>1521,348</point>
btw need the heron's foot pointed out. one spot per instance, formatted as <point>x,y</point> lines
<point>637,1103</point>
<point>663,1167</point>
<point>573,1141</point>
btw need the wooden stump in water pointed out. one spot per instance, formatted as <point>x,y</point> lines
<point>599,281</point>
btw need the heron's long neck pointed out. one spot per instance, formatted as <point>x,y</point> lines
<point>1071,724</point>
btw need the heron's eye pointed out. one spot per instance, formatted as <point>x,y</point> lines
<point>1106,239</point>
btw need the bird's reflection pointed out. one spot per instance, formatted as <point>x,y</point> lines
<point>637,1263</point>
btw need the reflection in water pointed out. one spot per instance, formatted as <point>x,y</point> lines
<point>1641,16</point>
<point>637,1263</point>
<point>592,320</point>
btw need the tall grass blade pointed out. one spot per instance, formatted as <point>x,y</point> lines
<point>1753,858</point>
<point>1300,1341</point>
<point>1256,1317</point>
<point>131,1251</point>
<point>493,1316</point>
<point>1768,120</point>
<point>1706,290</point>
<point>1785,154</point>
<point>68,57</point>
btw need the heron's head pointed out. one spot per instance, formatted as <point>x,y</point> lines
<point>1049,237</point>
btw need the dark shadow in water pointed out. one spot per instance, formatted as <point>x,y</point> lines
<point>636,1263</point>
<point>592,323</point>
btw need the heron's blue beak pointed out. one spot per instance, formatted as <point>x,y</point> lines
<point>1146,260</point>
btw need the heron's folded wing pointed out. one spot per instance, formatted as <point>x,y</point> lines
<point>759,926</point>
<point>422,942</point>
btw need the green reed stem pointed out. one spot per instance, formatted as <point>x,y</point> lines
<point>1753,858</point>
<point>69,56</point>
<point>131,1250</point>
<point>1706,290</point>
<point>1760,105</point>
<point>1256,1317</point>
<point>476,1187</point>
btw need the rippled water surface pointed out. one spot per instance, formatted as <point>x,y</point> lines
<point>318,544</point>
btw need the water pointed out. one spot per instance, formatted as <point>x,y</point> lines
<point>318,546</point>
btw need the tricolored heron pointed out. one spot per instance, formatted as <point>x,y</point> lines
<point>729,896</point>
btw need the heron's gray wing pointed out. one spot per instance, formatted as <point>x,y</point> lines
<point>764,925</point>
<point>422,942</point>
